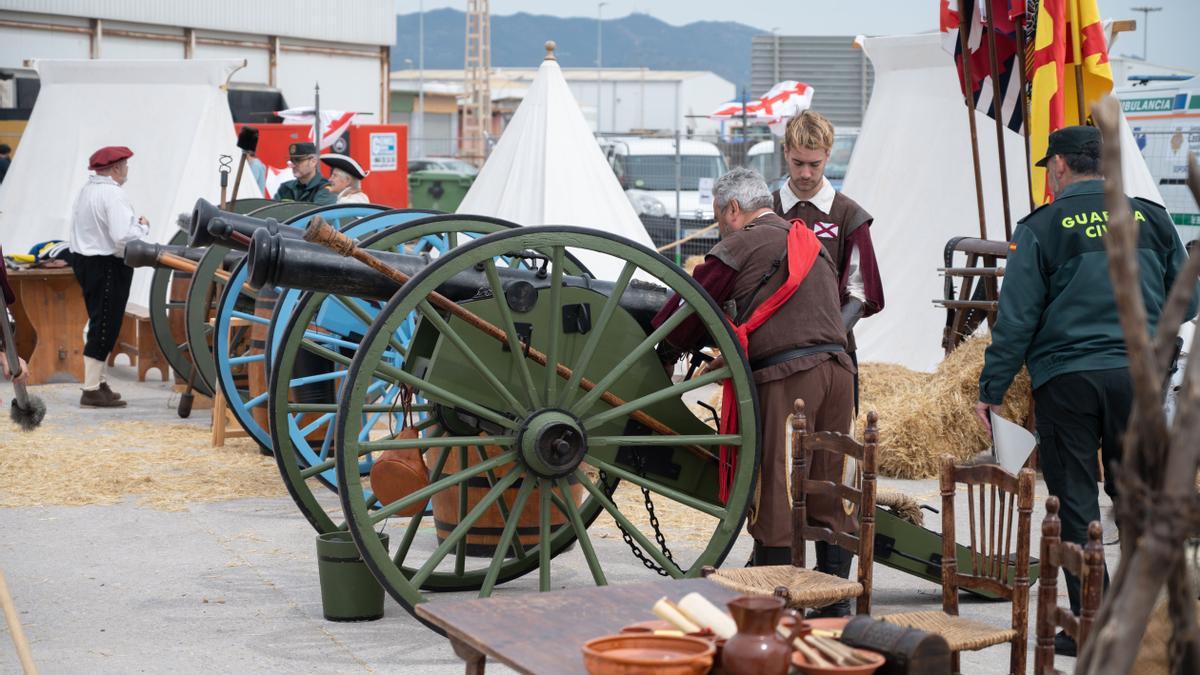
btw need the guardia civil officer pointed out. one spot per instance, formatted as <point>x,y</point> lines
<point>1058,315</point>
<point>103,222</point>
<point>309,185</point>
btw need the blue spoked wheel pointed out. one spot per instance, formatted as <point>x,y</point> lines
<point>321,335</point>
<point>209,281</point>
<point>243,318</point>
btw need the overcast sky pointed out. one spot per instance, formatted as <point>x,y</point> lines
<point>1173,30</point>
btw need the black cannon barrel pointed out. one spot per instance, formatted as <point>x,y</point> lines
<point>278,261</point>
<point>145,254</point>
<point>204,213</point>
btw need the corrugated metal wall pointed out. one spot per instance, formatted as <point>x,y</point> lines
<point>367,22</point>
<point>840,73</point>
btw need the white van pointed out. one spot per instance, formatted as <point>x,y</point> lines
<point>646,169</point>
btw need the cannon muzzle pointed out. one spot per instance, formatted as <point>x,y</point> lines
<point>275,260</point>
<point>205,215</point>
<point>147,254</point>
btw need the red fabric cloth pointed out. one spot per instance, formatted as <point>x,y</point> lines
<point>107,156</point>
<point>803,249</point>
<point>868,269</point>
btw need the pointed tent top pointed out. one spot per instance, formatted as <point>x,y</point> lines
<point>550,45</point>
<point>548,169</point>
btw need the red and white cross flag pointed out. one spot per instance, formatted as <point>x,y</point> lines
<point>334,123</point>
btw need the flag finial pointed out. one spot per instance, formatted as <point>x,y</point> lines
<point>550,50</point>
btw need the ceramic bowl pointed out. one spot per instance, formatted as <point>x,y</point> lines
<point>633,653</point>
<point>805,668</point>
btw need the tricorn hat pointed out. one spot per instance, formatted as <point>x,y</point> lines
<point>107,156</point>
<point>345,163</point>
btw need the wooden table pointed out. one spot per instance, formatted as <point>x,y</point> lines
<point>544,632</point>
<point>50,317</point>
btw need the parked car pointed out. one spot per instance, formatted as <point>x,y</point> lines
<point>760,159</point>
<point>449,164</point>
<point>645,168</point>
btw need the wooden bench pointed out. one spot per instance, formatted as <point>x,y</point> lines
<point>136,341</point>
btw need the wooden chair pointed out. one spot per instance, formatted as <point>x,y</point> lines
<point>802,587</point>
<point>991,494</point>
<point>1086,563</point>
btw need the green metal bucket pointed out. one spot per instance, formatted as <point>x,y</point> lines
<point>349,592</point>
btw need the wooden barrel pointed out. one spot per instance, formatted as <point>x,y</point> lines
<point>307,364</point>
<point>256,371</point>
<point>485,534</point>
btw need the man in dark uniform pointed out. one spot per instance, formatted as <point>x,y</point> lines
<point>844,228</point>
<point>309,184</point>
<point>799,352</point>
<point>1058,315</point>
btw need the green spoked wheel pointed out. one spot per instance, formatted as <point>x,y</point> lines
<point>328,327</point>
<point>167,307</point>
<point>205,289</point>
<point>168,302</point>
<point>520,437</point>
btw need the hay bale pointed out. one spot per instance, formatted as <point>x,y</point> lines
<point>167,467</point>
<point>924,416</point>
<point>692,262</point>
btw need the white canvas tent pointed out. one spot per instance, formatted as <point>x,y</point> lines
<point>548,169</point>
<point>912,171</point>
<point>175,117</point>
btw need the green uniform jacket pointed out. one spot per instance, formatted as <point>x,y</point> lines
<point>314,191</point>
<point>1057,309</point>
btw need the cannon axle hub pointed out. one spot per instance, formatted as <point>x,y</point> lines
<point>552,443</point>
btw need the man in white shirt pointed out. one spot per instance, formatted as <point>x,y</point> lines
<point>103,222</point>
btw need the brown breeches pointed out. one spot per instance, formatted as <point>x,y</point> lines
<point>828,393</point>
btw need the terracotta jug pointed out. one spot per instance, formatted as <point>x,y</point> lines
<point>756,649</point>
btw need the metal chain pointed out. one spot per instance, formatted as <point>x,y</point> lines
<point>658,535</point>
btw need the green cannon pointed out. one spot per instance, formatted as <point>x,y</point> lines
<point>531,390</point>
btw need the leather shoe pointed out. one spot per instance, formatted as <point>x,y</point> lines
<point>838,609</point>
<point>96,398</point>
<point>111,394</point>
<point>1064,645</point>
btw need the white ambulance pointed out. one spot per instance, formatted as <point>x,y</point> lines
<point>1165,122</point>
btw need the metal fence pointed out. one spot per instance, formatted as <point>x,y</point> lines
<point>668,179</point>
<point>1166,153</point>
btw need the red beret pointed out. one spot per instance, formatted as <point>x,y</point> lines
<point>106,157</point>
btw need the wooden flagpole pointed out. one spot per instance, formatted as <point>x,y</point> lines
<point>964,27</point>
<point>1076,36</point>
<point>989,23</point>
<point>1025,104</point>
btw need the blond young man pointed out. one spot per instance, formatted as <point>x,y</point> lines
<point>844,228</point>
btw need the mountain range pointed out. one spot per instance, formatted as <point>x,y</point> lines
<point>634,41</point>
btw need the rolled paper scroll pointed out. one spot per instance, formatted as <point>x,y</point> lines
<point>703,613</point>
<point>666,611</point>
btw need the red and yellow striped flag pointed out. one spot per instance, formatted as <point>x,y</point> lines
<point>1069,32</point>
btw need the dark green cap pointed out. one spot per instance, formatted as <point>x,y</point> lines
<point>302,149</point>
<point>1077,140</point>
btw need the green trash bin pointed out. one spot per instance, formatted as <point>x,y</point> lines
<point>349,592</point>
<point>437,190</point>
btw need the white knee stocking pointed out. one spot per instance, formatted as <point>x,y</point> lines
<point>93,373</point>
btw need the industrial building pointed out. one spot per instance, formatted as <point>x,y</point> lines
<point>840,73</point>
<point>614,100</point>
<point>342,47</point>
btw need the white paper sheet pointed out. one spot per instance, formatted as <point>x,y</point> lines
<point>1011,444</point>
